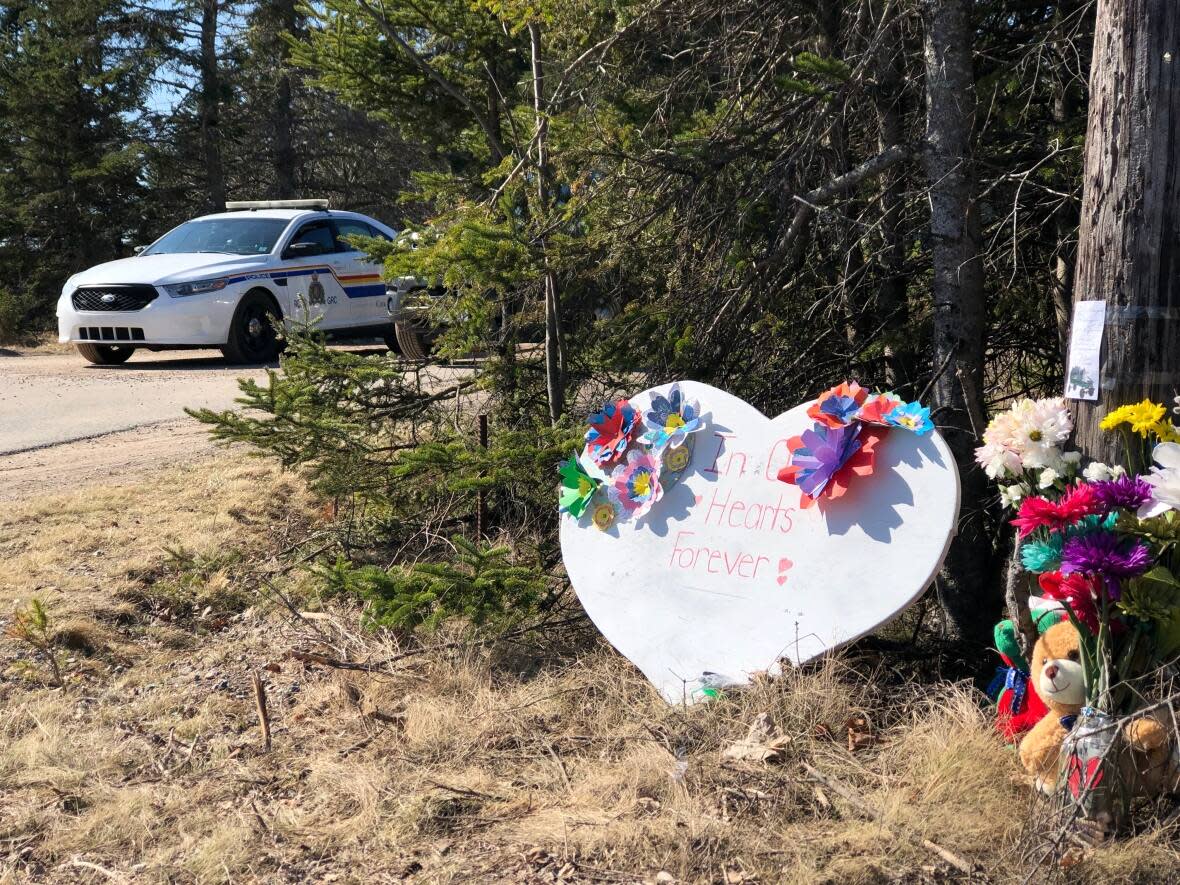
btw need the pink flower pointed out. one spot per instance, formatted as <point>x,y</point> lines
<point>1035,513</point>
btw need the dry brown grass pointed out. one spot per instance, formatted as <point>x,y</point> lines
<point>452,767</point>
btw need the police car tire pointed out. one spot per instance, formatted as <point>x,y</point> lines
<point>239,347</point>
<point>106,354</point>
<point>412,340</point>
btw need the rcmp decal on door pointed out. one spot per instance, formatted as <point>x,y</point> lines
<point>315,290</point>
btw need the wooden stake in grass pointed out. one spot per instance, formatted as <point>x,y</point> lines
<point>260,703</point>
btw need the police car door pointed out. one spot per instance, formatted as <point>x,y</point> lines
<point>310,277</point>
<point>361,278</point>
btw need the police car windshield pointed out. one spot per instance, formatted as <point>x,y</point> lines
<point>232,236</point>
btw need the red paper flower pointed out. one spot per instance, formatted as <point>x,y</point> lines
<point>875,409</point>
<point>1036,513</point>
<point>842,403</point>
<point>611,432</point>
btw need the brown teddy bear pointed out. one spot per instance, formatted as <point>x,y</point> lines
<point>1059,679</point>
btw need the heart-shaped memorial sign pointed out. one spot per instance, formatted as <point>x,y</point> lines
<point>731,569</point>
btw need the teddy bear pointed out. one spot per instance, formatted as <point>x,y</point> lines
<point>1057,673</point>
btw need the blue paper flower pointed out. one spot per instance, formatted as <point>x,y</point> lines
<point>670,419</point>
<point>911,416</point>
<point>842,409</point>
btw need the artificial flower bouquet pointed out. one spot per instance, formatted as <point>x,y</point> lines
<point>1101,540</point>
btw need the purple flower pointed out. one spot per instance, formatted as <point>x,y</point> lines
<point>1107,555</point>
<point>1125,493</point>
<point>825,450</point>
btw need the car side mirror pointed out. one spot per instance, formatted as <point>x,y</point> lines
<point>301,250</point>
<point>138,249</point>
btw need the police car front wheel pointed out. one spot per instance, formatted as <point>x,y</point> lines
<point>252,336</point>
<point>105,354</point>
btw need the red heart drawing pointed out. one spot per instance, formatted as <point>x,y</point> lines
<point>784,566</point>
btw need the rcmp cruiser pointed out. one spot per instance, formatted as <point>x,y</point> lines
<point>215,281</point>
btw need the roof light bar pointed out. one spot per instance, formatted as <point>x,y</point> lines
<point>238,205</point>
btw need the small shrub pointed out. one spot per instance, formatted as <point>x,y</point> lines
<point>30,627</point>
<point>481,584</point>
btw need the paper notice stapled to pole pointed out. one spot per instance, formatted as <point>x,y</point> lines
<point>1085,350</point>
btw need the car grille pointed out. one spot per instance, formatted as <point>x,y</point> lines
<point>108,298</point>
<point>110,333</point>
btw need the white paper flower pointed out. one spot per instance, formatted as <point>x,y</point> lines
<point>1048,477</point>
<point>1164,479</point>
<point>1071,457</point>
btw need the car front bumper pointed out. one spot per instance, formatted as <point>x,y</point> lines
<point>194,321</point>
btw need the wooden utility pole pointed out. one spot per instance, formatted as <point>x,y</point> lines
<point>1129,242</point>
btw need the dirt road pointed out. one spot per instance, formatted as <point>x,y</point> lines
<point>66,424</point>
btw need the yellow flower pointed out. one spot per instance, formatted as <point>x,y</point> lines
<point>1143,417</point>
<point>1166,432</point>
<point>1121,415</point>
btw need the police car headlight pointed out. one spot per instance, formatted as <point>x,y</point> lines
<point>180,290</point>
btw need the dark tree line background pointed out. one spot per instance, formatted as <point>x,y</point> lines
<point>770,196</point>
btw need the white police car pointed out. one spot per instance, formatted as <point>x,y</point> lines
<point>215,281</point>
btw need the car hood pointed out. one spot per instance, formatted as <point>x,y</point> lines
<point>163,269</point>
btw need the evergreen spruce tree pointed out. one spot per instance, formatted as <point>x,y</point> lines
<point>73,78</point>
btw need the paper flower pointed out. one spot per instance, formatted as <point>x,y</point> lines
<point>676,458</point>
<point>1106,555</point>
<point>1125,493</point>
<point>838,407</point>
<point>611,432</point>
<point>911,416</point>
<point>603,516</point>
<point>637,483</point>
<point>670,419</point>
<point>825,460</point>
<point>1141,416</point>
<point>1035,513</point>
<point>875,408</point>
<point>577,487</point>
<point>1165,479</point>
<point>817,454</point>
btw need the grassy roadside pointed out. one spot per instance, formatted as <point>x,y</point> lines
<point>456,765</point>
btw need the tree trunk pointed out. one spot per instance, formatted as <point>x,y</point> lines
<point>210,106</point>
<point>554,357</point>
<point>284,124</point>
<point>968,590</point>
<point>891,296</point>
<point>1129,243</point>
